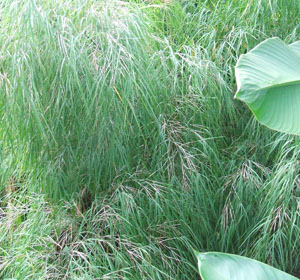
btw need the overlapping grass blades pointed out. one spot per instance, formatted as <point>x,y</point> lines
<point>126,111</point>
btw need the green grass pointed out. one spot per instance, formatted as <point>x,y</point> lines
<point>124,148</point>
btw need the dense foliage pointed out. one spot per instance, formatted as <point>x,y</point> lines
<point>122,147</point>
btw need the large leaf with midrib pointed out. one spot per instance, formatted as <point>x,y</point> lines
<point>221,266</point>
<point>268,81</point>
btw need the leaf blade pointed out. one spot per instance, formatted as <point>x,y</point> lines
<point>268,81</point>
<point>222,266</point>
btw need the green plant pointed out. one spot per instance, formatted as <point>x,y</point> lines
<point>133,103</point>
<point>220,266</point>
<point>268,80</point>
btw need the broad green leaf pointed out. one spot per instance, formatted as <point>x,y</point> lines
<point>268,81</point>
<point>221,266</point>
